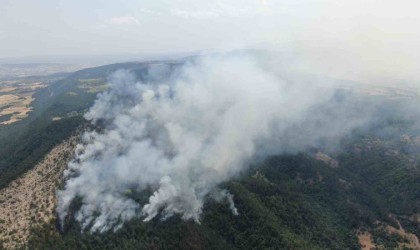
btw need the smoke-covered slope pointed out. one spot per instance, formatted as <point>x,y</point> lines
<point>181,136</point>
<point>223,153</point>
<point>285,202</point>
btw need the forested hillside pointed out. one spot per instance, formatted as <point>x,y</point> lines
<point>298,201</point>
<point>57,112</point>
<point>364,192</point>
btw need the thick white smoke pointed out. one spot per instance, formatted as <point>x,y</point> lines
<point>180,139</point>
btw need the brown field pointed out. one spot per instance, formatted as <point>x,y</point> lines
<point>30,200</point>
<point>6,99</point>
<point>13,88</point>
<point>19,109</point>
<point>17,100</point>
<point>7,89</point>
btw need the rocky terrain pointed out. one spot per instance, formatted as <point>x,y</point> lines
<point>30,200</point>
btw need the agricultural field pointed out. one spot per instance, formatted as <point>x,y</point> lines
<point>16,98</point>
<point>19,83</point>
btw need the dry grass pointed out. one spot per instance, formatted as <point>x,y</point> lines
<point>366,241</point>
<point>7,99</point>
<point>413,241</point>
<point>31,200</point>
<point>7,89</point>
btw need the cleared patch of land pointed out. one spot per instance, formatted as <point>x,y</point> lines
<point>326,159</point>
<point>93,85</point>
<point>30,200</point>
<point>366,241</point>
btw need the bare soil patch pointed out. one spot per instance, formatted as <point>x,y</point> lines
<point>365,240</point>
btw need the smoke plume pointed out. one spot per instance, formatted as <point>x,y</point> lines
<point>177,139</point>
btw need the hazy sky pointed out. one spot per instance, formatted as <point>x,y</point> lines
<point>121,26</point>
<point>369,40</point>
